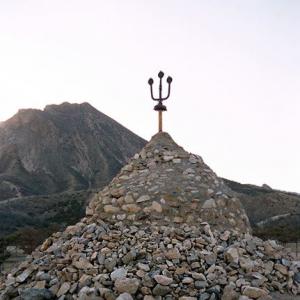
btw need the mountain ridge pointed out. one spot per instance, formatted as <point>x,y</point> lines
<point>63,147</point>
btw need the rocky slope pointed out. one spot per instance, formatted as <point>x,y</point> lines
<point>272,213</point>
<point>64,147</point>
<point>146,236</point>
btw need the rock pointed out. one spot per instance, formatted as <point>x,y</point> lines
<point>143,267</point>
<point>36,294</point>
<point>143,198</point>
<point>124,296</point>
<point>87,293</point>
<point>109,264</point>
<point>128,199</point>
<point>210,203</point>
<point>127,285</point>
<point>297,277</point>
<point>187,280</point>
<point>282,269</point>
<point>40,284</point>
<point>118,274</point>
<point>111,209</point>
<point>161,290</point>
<point>229,293</point>
<point>254,292</point>
<point>173,254</point>
<point>225,235</point>
<point>232,255</point>
<point>129,257</point>
<point>156,207</point>
<point>131,208</point>
<point>85,280</point>
<point>63,289</point>
<point>200,284</point>
<point>163,280</point>
<point>22,277</point>
<point>83,264</point>
<point>210,258</point>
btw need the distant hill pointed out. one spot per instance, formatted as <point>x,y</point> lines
<point>67,147</point>
<point>272,213</point>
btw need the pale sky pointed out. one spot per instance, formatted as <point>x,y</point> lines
<point>235,64</point>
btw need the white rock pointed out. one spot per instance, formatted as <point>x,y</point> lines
<point>143,198</point>
<point>210,203</point>
<point>118,274</point>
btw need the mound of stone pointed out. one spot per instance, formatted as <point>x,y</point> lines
<point>112,261</point>
<point>164,184</point>
<point>165,228</point>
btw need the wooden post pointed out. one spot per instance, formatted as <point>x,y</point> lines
<point>160,121</point>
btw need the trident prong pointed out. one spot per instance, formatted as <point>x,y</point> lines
<point>160,107</point>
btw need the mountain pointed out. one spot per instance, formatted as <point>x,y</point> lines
<point>67,147</point>
<point>166,227</point>
<point>272,213</point>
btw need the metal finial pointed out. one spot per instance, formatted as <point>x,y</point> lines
<point>160,107</point>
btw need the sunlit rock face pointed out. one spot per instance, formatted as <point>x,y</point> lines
<point>64,147</point>
<point>165,184</point>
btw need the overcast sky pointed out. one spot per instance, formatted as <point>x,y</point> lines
<point>236,69</point>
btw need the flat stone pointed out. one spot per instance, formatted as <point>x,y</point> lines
<point>200,284</point>
<point>210,203</point>
<point>163,280</point>
<point>254,292</point>
<point>23,276</point>
<point>118,274</point>
<point>229,293</point>
<point>232,255</point>
<point>131,208</point>
<point>128,199</point>
<point>143,198</point>
<point>173,254</point>
<point>282,269</point>
<point>187,280</point>
<point>156,207</point>
<point>36,294</point>
<point>127,285</point>
<point>40,284</point>
<point>297,277</point>
<point>111,209</point>
<point>63,289</point>
<point>124,296</point>
<point>161,290</point>
<point>143,267</point>
<point>83,264</point>
<point>129,257</point>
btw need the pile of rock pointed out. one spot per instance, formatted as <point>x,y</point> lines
<point>146,236</point>
<point>101,261</point>
<point>164,184</point>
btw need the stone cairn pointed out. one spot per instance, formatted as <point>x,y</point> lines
<point>166,227</point>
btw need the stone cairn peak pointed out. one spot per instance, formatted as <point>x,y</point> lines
<point>166,185</point>
<point>166,227</point>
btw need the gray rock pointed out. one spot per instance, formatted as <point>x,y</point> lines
<point>127,285</point>
<point>124,296</point>
<point>163,280</point>
<point>161,290</point>
<point>118,274</point>
<point>36,294</point>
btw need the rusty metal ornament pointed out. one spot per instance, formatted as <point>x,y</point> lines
<point>160,107</point>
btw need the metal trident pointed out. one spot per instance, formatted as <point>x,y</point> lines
<point>160,107</point>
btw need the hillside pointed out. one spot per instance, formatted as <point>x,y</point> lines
<point>65,147</point>
<point>272,213</point>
